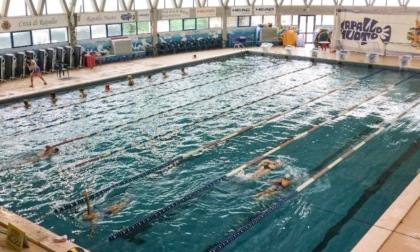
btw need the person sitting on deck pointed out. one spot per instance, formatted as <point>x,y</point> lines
<point>105,213</point>
<point>279,185</point>
<point>265,167</point>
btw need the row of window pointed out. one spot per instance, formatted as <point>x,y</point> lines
<point>47,36</point>
<point>20,7</point>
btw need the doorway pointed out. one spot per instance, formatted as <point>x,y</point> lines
<point>306,27</point>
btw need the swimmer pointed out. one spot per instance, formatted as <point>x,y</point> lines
<point>183,71</point>
<point>265,167</point>
<point>83,93</point>
<point>26,105</point>
<point>194,56</point>
<point>279,185</point>
<point>164,75</point>
<point>54,98</point>
<point>49,151</point>
<point>149,78</point>
<point>130,80</point>
<point>107,88</point>
<point>107,211</point>
<point>36,71</point>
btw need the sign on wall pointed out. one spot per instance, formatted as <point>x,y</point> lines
<point>240,11</point>
<point>106,18</point>
<point>205,12</point>
<point>371,31</point>
<point>175,13</point>
<point>32,23</point>
<point>143,15</point>
<point>265,10</point>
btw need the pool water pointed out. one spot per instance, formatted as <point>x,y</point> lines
<point>332,214</point>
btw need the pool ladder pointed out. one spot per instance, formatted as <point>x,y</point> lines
<point>239,46</point>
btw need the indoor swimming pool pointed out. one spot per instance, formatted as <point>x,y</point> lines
<point>178,152</point>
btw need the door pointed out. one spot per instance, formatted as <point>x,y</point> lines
<point>306,27</point>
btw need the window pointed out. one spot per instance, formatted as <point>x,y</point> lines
<point>111,6</point>
<point>393,3</point>
<point>188,4</point>
<point>129,28</point>
<point>256,20</point>
<point>163,26</point>
<point>328,20</point>
<point>98,31</point>
<point>21,39</point>
<point>215,22</point>
<point>165,4</point>
<point>189,24</point>
<point>213,3</point>
<point>202,23</point>
<point>380,3</point>
<point>347,3</point>
<point>140,5</point>
<point>17,8</point>
<point>286,20</point>
<point>328,2</point>
<point>53,7</point>
<point>316,2</point>
<point>175,25</point>
<point>269,19</point>
<point>232,21</point>
<point>143,27</point>
<point>83,32</point>
<point>244,21</point>
<point>58,35</point>
<point>41,36</point>
<point>113,30</point>
<point>359,3</point>
<point>412,4</point>
<point>239,2</point>
<point>298,2</point>
<point>5,41</point>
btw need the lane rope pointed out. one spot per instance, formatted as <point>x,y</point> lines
<point>292,194</point>
<point>197,121</point>
<point>175,161</point>
<point>100,97</point>
<point>168,110</point>
<point>189,196</point>
<point>132,103</point>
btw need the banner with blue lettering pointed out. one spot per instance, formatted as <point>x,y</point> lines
<point>372,31</point>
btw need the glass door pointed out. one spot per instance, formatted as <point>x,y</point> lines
<point>306,27</point>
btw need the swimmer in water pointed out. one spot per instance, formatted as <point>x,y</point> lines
<point>130,80</point>
<point>49,151</point>
<point>265,167</point>
<point>83,93</point>
<point>279,184</point>
<point>107,212</point>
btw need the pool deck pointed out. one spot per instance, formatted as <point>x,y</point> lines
<point>397,230</point>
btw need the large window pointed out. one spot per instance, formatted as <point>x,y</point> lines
<point>5,41</point>
<point>190,24</point>
<point>41,36</point>
<point>232,21</point>
<point>244,21</point>
<point>21,39</point>
<point>162,25</point>
<point>143,27</point>
<point>58,35</point>
<point>98,31</point>
<point>129,28</point>
<point>113,30</point>
<point>175,25</point>
<point>202,23</point>
<point>83,32</point>
<point>215,22</point>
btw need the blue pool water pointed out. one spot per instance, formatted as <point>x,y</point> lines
<point>332,214</point>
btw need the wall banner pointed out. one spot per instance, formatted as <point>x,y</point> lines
<point>175,13</point>
<point>205,12</point>
<point>264,10</point>
<point>373,31</point>
<point>105,18</point>
<point>241,11</point>
<point>143,15</point>
<point>14,24</point>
